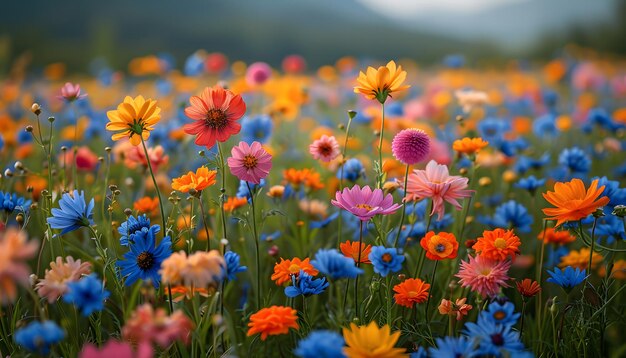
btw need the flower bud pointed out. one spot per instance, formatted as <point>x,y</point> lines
<point>128,212</point>
<point>36,108</point>
<point>29,128</point>
<point>619,210</point>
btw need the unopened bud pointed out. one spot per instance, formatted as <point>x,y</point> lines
<point>128,212</point>
<point>619,210</point>
<point>36,108</point>
<point>107,149</point>
<point>51,119</point>
<point>484,181</point>
<point>352,114</point>
<point>598,213</point>
<point>273,251</point>
<point>8,173</point>
<point>29,128</point>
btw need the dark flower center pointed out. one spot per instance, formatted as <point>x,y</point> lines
<point>440,248</point>
<point>250,161</point>
<point>145,260</point>
<point>499,315</point>
<point>497,339</point>
<point>387,257</point>
<point>216,119</point>
<point>325,149</point>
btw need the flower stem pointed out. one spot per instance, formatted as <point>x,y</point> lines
<point>343,159</point>
<point>431,289</point>
<point>358,264</point>
<point>380,147</point>
<point>204,223</point>
<point>222,193</point>
<point>406,176</point>
<point>156,186</point>
<point>256,244</point>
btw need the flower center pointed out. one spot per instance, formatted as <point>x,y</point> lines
<point>497,339</point>
<point>412,294</point>
<point>145,260</point>
<point>387,258</point>
<point>440,248</point>
<point>325,149</point>
<point>293,269</point>
<point>216,119</point>
<point>250,161</point>
<point>499,243</point>
<point>499,315</point>
<point>364,206</point>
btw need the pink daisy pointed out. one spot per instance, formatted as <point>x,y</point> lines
<point>365,203</point>
<point>436,183</point>
<point>325,149</point>
<point>250,162</point>
<point>483,275</point>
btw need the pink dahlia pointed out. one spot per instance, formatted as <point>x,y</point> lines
<point>483,275</point>
<point>325,149</point>
<point>410,146</point>
<point>436,183</point>
<point>250,162</point>
<point>71,92</point>
<point>365,203</point>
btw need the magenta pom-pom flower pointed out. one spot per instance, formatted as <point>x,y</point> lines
<point>410,146</point>
<point>365,203</point>
<point>250,162</point>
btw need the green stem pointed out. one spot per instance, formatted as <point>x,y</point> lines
<point>406,176</point>
<point>156,186</point>
<point>204,223</point>
<point>222,194</point>
<point>380,147</point>
<point>256,244</point>
<point>431,290</point>
<point>358,264</point>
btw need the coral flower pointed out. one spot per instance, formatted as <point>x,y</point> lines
<point>273,321</point>
<point>483,275</point>
<point>469,145</point>
<point>497,245</point>
<point>147,205</point>
<point>410,146</point>
<point>71,92</point>
<point>15,249</point>
<point>250,162</point>
<point>573,202</point>
<point>86,160</point>
<point>200,180</point>
<point>325,149</point>
<point>284,269</point>
<point>234,202</point>
<point>371,342</point>
<point>134,156</point>
<point>411,291</point>
<point>147,325</point>
<point>307,177</point>
<point>54,283</point>
<point>351,250</point>
<point>134,119</point>
<point>382,82</point>
<point>437,184</point>
<point>204,269</point>
<point>365,203</point>
<point>440,246</point>
<point>458,308</point>
<point>527,287</point>
<point>215,113</point>
<point>580,259</point>
<point>553,236</point>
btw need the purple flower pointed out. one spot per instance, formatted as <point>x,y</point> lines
<point>410,146</point>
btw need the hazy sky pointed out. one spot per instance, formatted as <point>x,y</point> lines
<point>404,9</point>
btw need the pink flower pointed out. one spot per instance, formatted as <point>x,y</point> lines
<point>71,92</point>
<point>258,73</point>
<point>54,283</point>
<point>116,349</point>
<point>483,275</point>
<point>294,64</point>
<point>325,149</point>
<point>436,183</point>
<point>86,160</point>
<point>250,162</point>
<point>365,203</point>
<point>147,325</point>
<point>410,146</point>
<point>135,155</point>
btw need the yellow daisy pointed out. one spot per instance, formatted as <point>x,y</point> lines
<point>371,341</point>
<point>133,119</point>
<point>382,82</point>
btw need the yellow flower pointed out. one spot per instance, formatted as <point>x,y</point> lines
<point>134,119</point>
<point>382,82</point>
<point>371,341</point>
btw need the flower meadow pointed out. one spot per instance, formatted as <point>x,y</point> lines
<point>361,209</point>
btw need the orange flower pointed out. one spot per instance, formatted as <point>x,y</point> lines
<point>276,191</point>
<point>618,272</point>
<point>440,246</point>
<point>200,180</point>
<point>147,205</point>
<point>273,321</point>
<point>556,237</point>
<point>528,287</point>
<point>285,268</point>
<point>469,145</point>
<point>410,292</point>
<point>351,250</point>
<point>15,251</point>
<point>134,119</point>
<point>458,308</point>
<point>308,177</point>
<point>497,245</point>
<point>573,202</point>
<point>580,259</point>
<point>233,203</point>
<point>382,82</point>
<point>181,292</point>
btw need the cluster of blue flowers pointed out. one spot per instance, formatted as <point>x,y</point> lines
<point>334,265</point>
<point>304,284</point>
<point>11,202</point>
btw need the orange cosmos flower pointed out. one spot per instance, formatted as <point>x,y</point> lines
<point>556,237</point>
<point>382,82</point>
<point>200,180</point>
<point>234,202</point>
<point>179,293</point>
<point>440,246</point>
<point>572,201</point>
<point>147,205</point>
<point>410,292</point>
<point>310,178</point>
<point>527,287</point>
<point>469,145</point>
<point>351,250</point>
<point>458,308</point>
<point>285,268</point>
<point>273,321</point>
<point>497,245</point>
<point>580,259</point>
<point>134,119</point>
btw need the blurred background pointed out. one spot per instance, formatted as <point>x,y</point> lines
<point>76,32</point>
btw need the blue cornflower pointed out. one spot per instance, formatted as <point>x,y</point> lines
<point>10,202</point>
<point>493,129</point>
<point>616,195</point>
<point>420,353</point>
<point>501,313</point>
<point>599,117</point>
<point>243,192</point>
<point>39,336</point>
<point>493,339</point>
<point>73,213</point>
<point>610,227</point>
<point>87,294</point>
<point>568,278</point>
<point>510,215</point>
<point>305,285</point>
<point>321,344</point>
<point>232,265</point>
<point>132,225</point>
<point>554,255</point>
<point>271,236</point>
<point>334,265</point>
<point>258,128</point>
<point>545,126</point>
<point>144,259</point>
<point>325,222</point>
<point>352,170</point>
<point>530,184</point>
<point>575,160</point>
<point>524,163</point>
<point>385,260</point>
<point>453,347</point>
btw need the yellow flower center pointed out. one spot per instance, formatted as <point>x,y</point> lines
<point>412,294</point>
<point>499,243</point>
<point>216,119</point>
<point>364,206</point>
<point>294,268</point>
<point>250,161</point>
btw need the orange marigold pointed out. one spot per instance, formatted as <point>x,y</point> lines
<point>285,268</point>
<point>351,250</point>
<point>440,246</point>
<point>573,202</point>
<point>410,292</point>
<point>580,259</point>
<point>528,287</point>
<point>497,245</point>
<point>553,236</point>
<point>234,202</point>
<point>200,180</point>
<point>147,205</point>
<point>469,145</point>
<point>273,321</point>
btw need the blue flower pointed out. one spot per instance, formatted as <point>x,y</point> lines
<point>493,339</point>
<point>501,313</point>
<point>324,222</point>
<point>132,225</point>
<point>304,284</point>
<point>554,255</point>
<point>321,344</point>
<point>144,259</point>
<point>568,278</point>
<point>258,128</point>
<point>10,202</point>
<point>39,336</point>
<point>385,260</point>
<point>272,236</point>
<point>599,117</point>
<point>453,347</point>
<point>352,170</point>
<point>530,184</point>
<point>575,160</point>
<point>612,190</point>
<point>88,294</point>
<point>73,213</point>
<point>243,192</point>
<point>493,129</point>
<point>545,126</point>
<point>510,215</point>
<point>524,163</point>
<point>232,265</point>
<point>333,264</point>
<point>610,227</point>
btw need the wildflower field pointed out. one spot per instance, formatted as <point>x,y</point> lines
<point>359,209</point>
